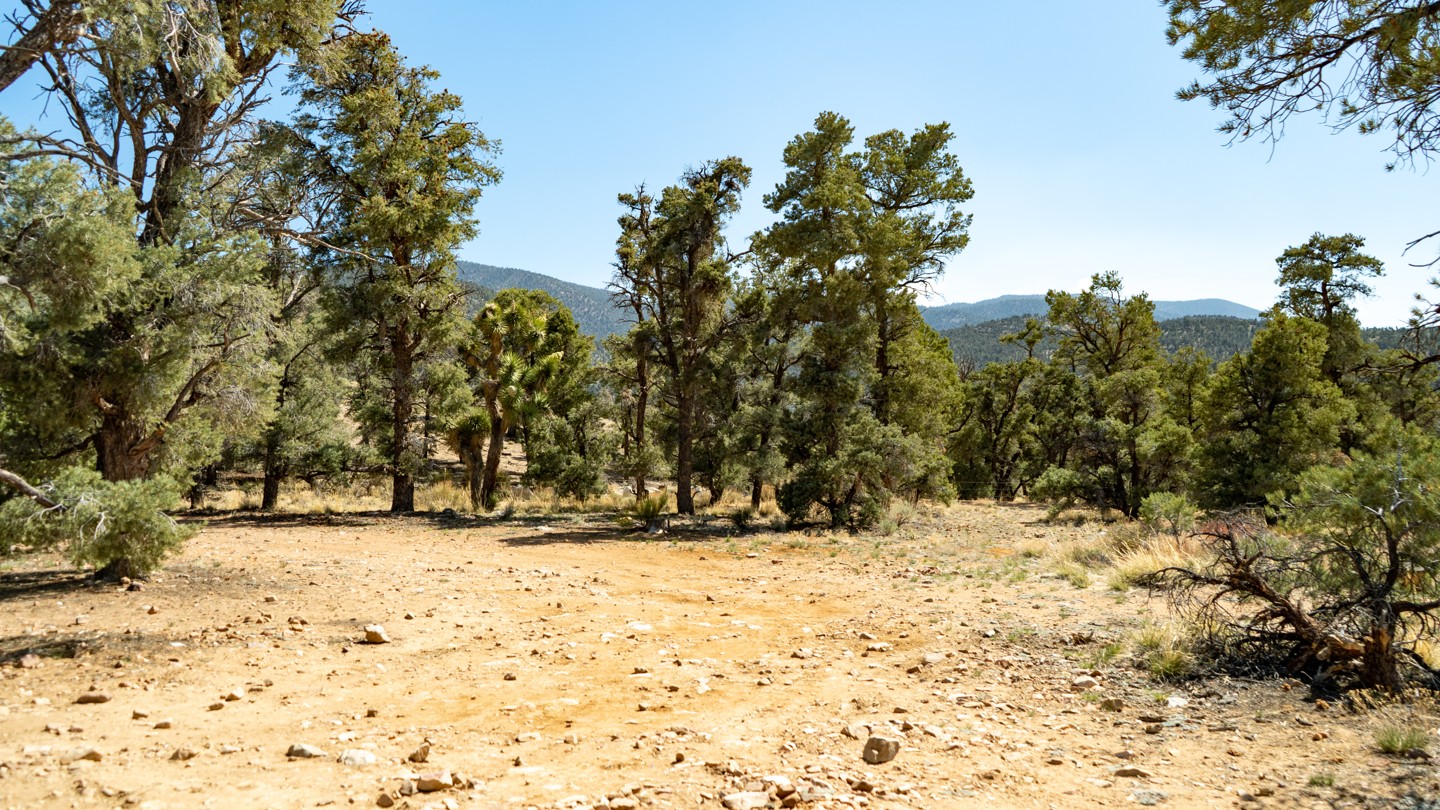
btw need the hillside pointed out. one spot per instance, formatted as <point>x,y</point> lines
<point>590,305</point>
<point>949,316</point>
<point>1219,336</point>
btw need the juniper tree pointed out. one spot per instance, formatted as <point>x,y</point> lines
<point>679,277</point>
<point>406,170</point>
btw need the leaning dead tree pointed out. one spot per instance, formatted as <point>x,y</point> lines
<point>1344,591</point>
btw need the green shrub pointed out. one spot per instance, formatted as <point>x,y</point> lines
<point>1168,512</point>
<point>650,509</point>
<point>743,518</point>
<point>120,526</point>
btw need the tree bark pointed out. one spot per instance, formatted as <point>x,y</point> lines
<point>684,453</point>
<point>20,485</point>
<point>642,401</point>
<point>402,494</point>
<point>57,25</point>
<point>115,447</point>
<point>492,454</point>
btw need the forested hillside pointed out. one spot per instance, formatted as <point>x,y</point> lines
<point>950,316</point>
<point>591,306</point>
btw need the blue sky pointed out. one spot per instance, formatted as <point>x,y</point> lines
<point>1064,115</point>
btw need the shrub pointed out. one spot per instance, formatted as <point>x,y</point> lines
<point>650,510</point>
<point>119,527</point>
<point>743,518</point>
<point>1169,513</point>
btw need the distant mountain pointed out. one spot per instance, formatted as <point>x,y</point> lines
<point>591,306</point>
<point>949,316</point>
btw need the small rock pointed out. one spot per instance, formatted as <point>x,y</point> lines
<point>509,676</point>
<point>746,800</point>
<point>1149,798</point>
<point>1131,772</point>
<point>420,754</point>
<point>94,697</point>
<point>29,661</point>
<point>271,599</point>
<point>1112,704</point>
<point>235,694</point>
<point>216,706</point>
<point>1084,682</point>
<point>77,754</point>
<point>1176,702</point>
<point>879,646</point>
<point>357,758</point>
<point>139,714</point>
<point>152,610</point>
<point>857,731</point>
<point>409,615</point>
<point>931,659</point>
<point>385,800</point>
<point>880,749</point>
<point>375,634</point>
<point>183,754</point>
<point>431,782</point>
<point>164,724</point>
<point>303,751</point>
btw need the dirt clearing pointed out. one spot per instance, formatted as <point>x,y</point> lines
<point>566,664</point>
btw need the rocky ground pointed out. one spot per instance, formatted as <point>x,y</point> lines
<point>565,663</point>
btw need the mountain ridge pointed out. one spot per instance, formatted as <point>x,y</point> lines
<point>599,317</point>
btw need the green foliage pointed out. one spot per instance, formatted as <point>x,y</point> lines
<point>101,522</point>
<point>1398,739</point>
<point>1268,415</point>
<point>1367,65</point>
<point>1168,512</point>
<point>405,171</point>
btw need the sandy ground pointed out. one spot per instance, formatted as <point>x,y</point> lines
<point>569,664</point>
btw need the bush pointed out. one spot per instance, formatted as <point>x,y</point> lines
<point>1169,513</point>
<point>650,509</point>
<point>119,527</point>
<point>743,518</point>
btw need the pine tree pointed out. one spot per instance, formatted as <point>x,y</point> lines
<point>406,170</point>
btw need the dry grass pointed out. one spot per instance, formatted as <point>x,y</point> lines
<point>1164,650</point>
<point>1137,566</point>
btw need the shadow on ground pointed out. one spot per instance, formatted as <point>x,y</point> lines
<point>18,585</point>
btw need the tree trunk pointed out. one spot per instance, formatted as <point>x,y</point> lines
<point>757,490</point>
<point>402,496</point>
<point>1378,668</point>
<point>270,492</point>
<point>115,444</point>
<point>642,401</point>
<point>684,453</point>
<point>492,455</point>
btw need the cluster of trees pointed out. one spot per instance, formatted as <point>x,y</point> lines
<point>187,287</point>
<point>1110,418</point>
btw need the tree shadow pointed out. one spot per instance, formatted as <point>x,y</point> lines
<point>17,585</point>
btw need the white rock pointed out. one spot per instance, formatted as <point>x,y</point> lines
<point>303,751</point>
<point>357,758</point>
